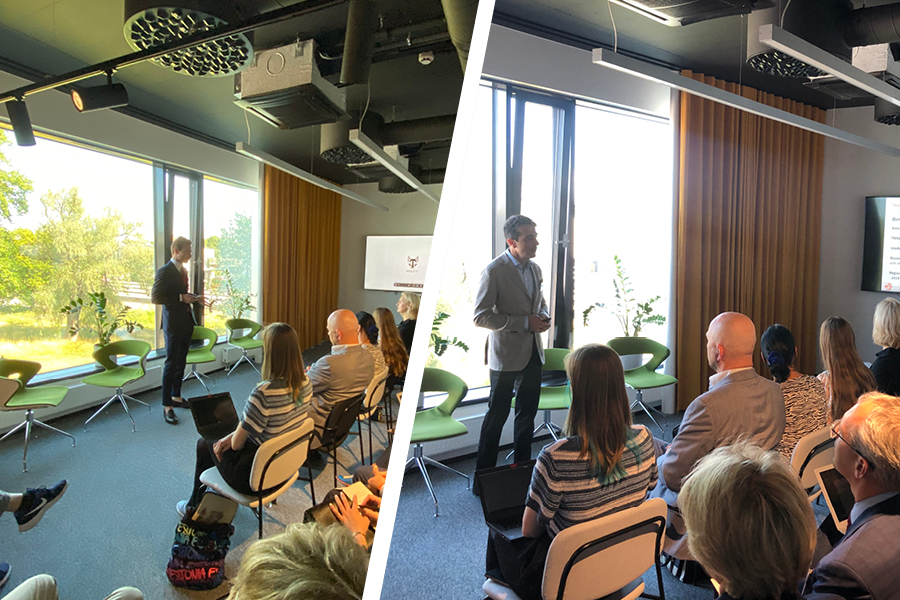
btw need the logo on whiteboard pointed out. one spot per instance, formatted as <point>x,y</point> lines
<point>412,262</point>
<point>888,286</point>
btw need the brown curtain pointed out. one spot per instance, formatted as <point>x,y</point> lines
<point>748,226</point>
<point>301,254</point>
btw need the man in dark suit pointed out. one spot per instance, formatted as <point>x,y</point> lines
<point>864,563</point>
<point>510,302</point>
<point>170,289</point>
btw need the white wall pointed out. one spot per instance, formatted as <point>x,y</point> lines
<point>53,111</point>
<point>409,214</point>
<point>851,174</point>
<point>525,59</point>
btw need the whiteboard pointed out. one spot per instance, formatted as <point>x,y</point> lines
<point>396,263</point>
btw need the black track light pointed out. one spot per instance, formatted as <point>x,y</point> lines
<point>110,95</point>
<point>21,123</point>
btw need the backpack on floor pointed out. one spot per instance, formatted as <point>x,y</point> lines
<point>198,555</point>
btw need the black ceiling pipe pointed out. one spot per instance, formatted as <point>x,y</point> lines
<point>874,25</point>
<point>429,129</point>
<point>460,16</point>
<point>359,41</point>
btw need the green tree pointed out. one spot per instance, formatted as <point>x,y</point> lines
<point>86,253</point>
<point>20,273</point>
<point>233,251</point>
<point>14,186</point>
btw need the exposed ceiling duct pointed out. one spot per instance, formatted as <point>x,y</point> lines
<point>685,12</point>
<point>460,15</point>
<point>336,147</point>
<point>359,41</point>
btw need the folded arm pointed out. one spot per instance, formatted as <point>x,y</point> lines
<point>694,441</point>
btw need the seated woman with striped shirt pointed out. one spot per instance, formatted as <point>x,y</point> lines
<point>605,465</point>
<point>276,406</point>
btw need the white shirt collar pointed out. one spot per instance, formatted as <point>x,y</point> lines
<point>860,507</point>
<point>715,379</point>
<point>515,262</point>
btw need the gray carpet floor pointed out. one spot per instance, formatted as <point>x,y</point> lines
<point>443,558</point>
<point>116,523</point>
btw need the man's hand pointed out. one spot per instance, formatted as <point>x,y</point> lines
<point>370,508</point>
<point>376,481</point>
<point>539,324</point>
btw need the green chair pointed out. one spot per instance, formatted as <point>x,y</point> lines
<point>645,376</point>
<point>553,397</point>
<point>201,354</point>
<point>437,423</point>
<point>115,376</point>
<point>16,395</point>
<point>241,334</point>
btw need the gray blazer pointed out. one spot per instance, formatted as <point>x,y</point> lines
<point>344,373</point>
<point>742,405</point>
<point>503,306</point>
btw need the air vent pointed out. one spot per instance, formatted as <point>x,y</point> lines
<point>674,12</point>
<point>283,87</point>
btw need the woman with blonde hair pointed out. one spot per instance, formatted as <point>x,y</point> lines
<point>748,523</point>
<point>408,307</point>
<point>277,405</point>
<point>392,347</point>
<point>886,333</point>
<point>605,465</point>
<point>846,376</point>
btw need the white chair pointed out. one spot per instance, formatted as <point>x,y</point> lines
<point>373,396</point>
<point>603,557</point>
<point>814,451</point>
<point>277,460</point>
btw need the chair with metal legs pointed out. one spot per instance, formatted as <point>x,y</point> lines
<point>115,376</point>
<point>645,376</point>
<point>16,395</point>
<point>242,334</point>
<point>437,423</point>
<point>201,354</point>
<point>553,397</point>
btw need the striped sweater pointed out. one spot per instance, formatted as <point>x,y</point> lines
<point>271,410</point>
<point>565,490</point>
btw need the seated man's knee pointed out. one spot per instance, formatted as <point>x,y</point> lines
<point>126,593</point>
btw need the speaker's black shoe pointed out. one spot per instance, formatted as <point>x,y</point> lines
<point>171,417</point>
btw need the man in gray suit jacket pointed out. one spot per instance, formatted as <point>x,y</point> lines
<point>739,405</point>
<point>510,302</point>
<point>867,453</point>
<point>343,374</point>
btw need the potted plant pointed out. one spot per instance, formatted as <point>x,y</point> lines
<point>631,314</point>
<point>237,302</point>
<point>439,342</point>
<point>101,324</point>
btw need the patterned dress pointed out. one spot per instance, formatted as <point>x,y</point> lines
<point>805,407</point>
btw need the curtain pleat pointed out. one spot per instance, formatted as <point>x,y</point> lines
<point>748,219</point>
<point>301,254</point>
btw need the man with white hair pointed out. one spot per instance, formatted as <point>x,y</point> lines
<point>867,453</point>
<point>740,405</point>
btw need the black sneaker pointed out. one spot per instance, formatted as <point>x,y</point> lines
<point>35,503</point>
<point>4,573</point>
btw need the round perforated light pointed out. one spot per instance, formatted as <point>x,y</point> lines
<point>156,26</point>
<point>780,64</point>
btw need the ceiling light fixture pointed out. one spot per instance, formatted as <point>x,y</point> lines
<point>290,169</point>
<point>674,80</point>
<point>364,142</point>
<point>790,44</point>
<point>111,95</point>
<point>20,121</point>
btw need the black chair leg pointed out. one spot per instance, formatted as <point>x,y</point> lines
<point>371,453</point>
<point>334,459</point>
<point>260,514</point>
<point>312,485</point>
<point>362,452</point>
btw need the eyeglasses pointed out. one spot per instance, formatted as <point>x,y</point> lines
<point>835,434</point>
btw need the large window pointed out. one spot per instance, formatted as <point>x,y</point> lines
<point>78,221</point>
<point>598,183</point>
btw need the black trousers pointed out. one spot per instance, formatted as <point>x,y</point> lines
<point>518,563</point>
<point>177,344</point>
<point>235,468</point>
<point>527,382</point>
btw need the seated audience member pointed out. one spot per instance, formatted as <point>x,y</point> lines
<point>277,405</point>
<point>846,376</point>
<point>867,453</point>
<point>408,307</point>
<point>368,338</point>
<point>739,405</point>
<point>886,333</point>
<point>43,587</point>
<point>392,346</point>
<point>306,561</point>
<point>605,465</point>
<point>343,374</point>
<point>749,524</point>
<point>804,395</point>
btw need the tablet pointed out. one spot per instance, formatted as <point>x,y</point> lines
<point>837,494</point>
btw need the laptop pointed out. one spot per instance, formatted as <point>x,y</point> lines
<point>503,492</point>
<point>214,416</point>
<point>837,494</point>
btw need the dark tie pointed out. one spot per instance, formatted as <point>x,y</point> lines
<point>184,278</point>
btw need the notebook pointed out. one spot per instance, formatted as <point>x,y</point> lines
<point>214,416</point>
<point>503,491</point>
<point>837,494</point>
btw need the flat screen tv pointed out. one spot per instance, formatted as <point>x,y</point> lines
<point>396,263</point>
<point>881,247</point>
